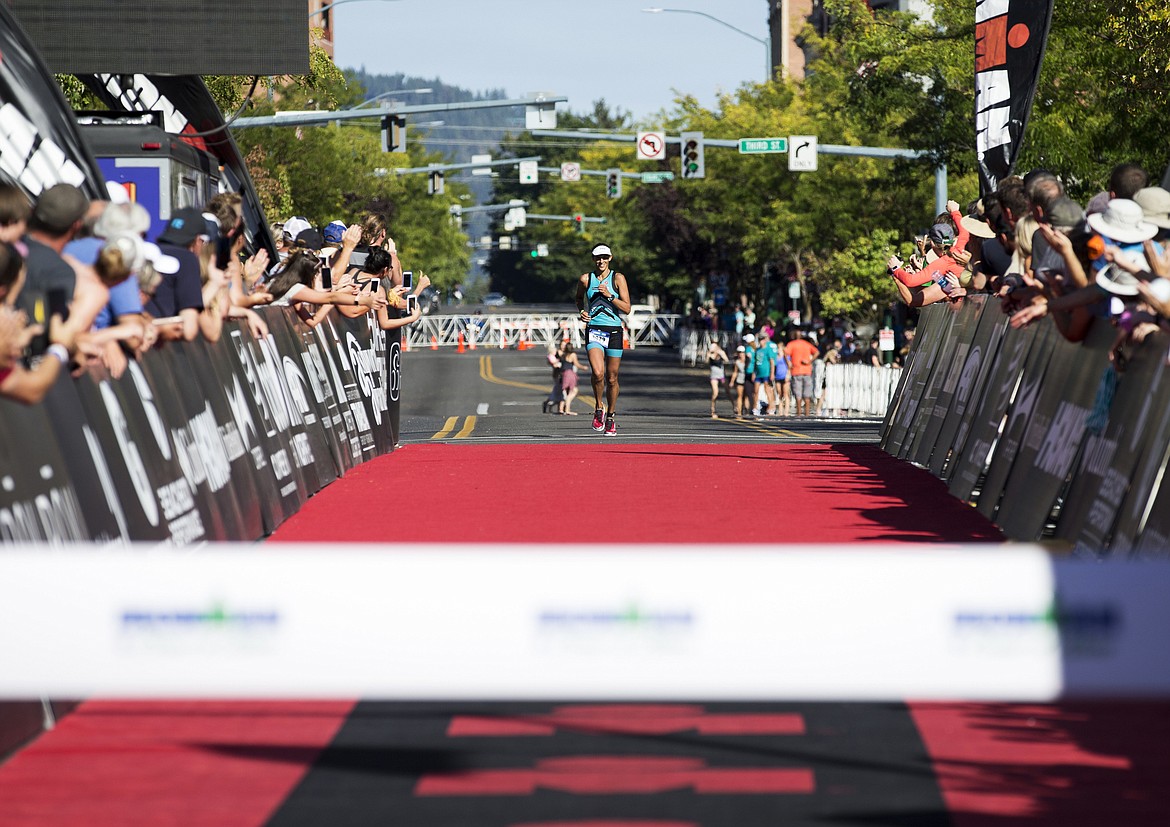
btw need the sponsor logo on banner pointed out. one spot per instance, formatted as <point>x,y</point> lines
<point>365,370</point>
<point>395,360</point>
<point>198,631</point>
<point>53,515</point>
<point>1076,629</point>
<point>108,488</point>
<point>32,159</point>
<point>615,630</point>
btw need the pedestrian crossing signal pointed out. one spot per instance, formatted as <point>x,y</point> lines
<point>613,183</point>
<point>692,155</point>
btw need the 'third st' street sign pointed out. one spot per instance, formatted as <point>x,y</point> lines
<point>749,146</point>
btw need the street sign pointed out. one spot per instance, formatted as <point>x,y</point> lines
<point>753,146</point>
<point>657,177</point>
<point>541,115</point>
<point>886,340</point>
<point>651,146</point>
<point>528,172</point>
<point>803,157</point>
<point>570,171</point>
<point>542,250</point>
<point>481,159</point>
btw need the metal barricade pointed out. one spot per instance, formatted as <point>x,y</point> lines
<point>512,330</point>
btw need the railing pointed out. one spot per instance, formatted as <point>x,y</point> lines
<point>503,330</point>
<point>848,389</point>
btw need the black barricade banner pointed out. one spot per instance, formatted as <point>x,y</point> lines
<point>961,336</point>
<point>203,459</point>
<point>363,345</point>
<point>243,481</point>
<point>230,375</point>
<point>1019,414</point>
<point>1139,527</point>
<point>927,346</point>
<point>38,502</point>
<point>969,388</point>
<point>1136,428</point>
<point>928,319</point>
<point>340,380</point>
<point>1010,36</point>
<point>1054,434</point>
<point>968,467</point>
<point>332,410</point>
<point>285,449</point>
<point>394,339</point>
<point>76,433</point>
<point>167,491</point>
<point>943,358</point>
<point>302,399</point>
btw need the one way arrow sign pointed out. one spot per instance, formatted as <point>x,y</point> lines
<point>802,153</point>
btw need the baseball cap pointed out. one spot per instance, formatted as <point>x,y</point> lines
<point>1065,213</point>
<point>295,226</point>
<point>333,232</point>
<point>310,239</point>
<point>185,226</point>
<point>941,234</point>
<point>59,207</point>
<point>741,349</point>
<point>748,337</point>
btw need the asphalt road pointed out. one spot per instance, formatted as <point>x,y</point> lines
<point>492,395</point>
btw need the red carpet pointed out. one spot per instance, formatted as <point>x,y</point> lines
<point>244,764</point>
<point>653,493</point>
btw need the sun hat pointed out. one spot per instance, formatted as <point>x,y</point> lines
<point>977,227</point>
<point>1124,221</point>
<point>1155,204</point>
<point>1119,282</point>
<point>1160,289</point>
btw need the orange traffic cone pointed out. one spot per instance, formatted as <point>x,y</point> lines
<point>435,341</point>
<point>460,342</point>
<point>406,344</point>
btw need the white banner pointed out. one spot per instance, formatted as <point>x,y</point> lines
<point>438,622</point>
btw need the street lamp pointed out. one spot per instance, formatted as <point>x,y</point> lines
<point>426,90</point>
<point>767,42</point>
<point>328,6</point>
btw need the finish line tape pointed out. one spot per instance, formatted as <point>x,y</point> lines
<point>536,622</point>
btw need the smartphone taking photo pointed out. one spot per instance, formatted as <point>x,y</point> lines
<point>411,304</point>
<point>408,279</point>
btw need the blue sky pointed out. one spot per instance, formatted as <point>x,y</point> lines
<point>582,50</point>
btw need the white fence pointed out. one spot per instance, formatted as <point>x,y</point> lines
<point>849,389</point>
<point>503,330</point>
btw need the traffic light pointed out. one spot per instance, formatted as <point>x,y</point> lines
<point>533,253</point>
<point>394,133</point>
<point>613,183</point>
<point>579,221</point>
<point>692,155</point>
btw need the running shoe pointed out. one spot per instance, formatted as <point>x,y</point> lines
<point>610,426</point>
<point>598,420</point>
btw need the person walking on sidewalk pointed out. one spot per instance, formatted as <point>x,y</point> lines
<point>601,295</point>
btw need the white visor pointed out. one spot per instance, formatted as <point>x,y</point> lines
<point>601,250</point>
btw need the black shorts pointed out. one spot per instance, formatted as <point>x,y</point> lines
<point>604,337</point>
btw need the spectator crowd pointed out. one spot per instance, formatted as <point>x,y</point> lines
<point>1044,254</point>
<point>82,285</point>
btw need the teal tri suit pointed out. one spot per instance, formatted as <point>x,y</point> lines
<point>604,330</point>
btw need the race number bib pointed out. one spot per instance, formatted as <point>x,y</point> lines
<point>599,337</point>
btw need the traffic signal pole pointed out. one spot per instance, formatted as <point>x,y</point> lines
<point>940,170</point>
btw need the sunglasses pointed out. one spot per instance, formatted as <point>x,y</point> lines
<point>602,258</point>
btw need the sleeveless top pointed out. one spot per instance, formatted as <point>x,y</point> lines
<point>601,310</point>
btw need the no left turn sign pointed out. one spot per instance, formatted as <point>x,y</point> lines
<point>651,146</point>
<point>570,171</point>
